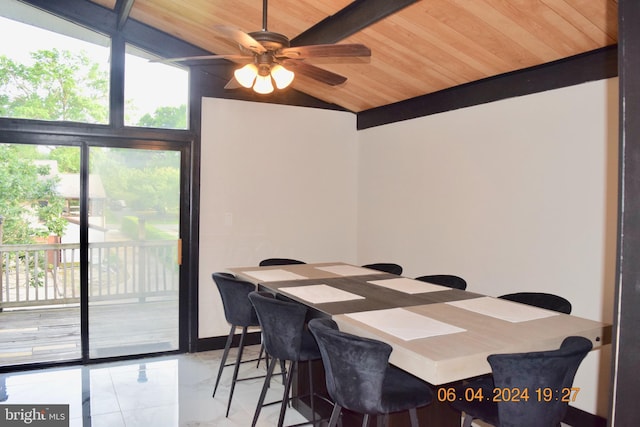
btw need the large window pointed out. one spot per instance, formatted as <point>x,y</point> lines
<point>156,94</point>
<point>51,69</point>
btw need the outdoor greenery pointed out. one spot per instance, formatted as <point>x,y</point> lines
<point>60,85</point>
<point>28,196</point>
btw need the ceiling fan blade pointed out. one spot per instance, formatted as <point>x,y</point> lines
<point>242,38</point>
<point>325,51</point>
<point>232,84</point>
<point>202,57</point>
<point>314,72</point>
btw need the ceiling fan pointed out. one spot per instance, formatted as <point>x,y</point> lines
<point>269,57</point>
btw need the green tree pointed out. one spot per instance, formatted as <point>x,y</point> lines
<point>166,118</point>
<point>59,85</point>
<point>27,193</point>
<point>68,158</point>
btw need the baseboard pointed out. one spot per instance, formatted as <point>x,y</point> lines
<point>578,418</point>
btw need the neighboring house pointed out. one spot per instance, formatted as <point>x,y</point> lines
<point>69,188</point>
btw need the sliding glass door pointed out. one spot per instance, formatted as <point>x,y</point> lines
<point>134,251</point>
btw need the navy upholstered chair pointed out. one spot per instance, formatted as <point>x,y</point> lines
<point>279,261</point>
<point>239,312</point>
<point>542,300</point>
<point>387,267</point>
<point>547,377</point>
<point>285,339</point>
<point>359,377</point>
<point>448,280</point>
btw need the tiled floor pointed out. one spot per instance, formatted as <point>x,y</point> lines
<point>165,391</point>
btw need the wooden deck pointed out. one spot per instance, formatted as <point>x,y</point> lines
<point>53,334</point>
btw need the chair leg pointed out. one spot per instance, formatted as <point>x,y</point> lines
<point>468,419</point>
<point>284,372</point>
<point>285,396</point>
<point>413,415</point>
<point>227,346</point>
<point>263,393</point>
<point>311,394</point>
<point>236,368</point>
<point>365,420</point>
<point>260,356</point>
<point>335,415</point>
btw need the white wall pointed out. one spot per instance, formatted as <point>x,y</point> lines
<point>513,195</point>
<point>276,181</point>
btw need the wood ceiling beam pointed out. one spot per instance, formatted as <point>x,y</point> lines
<point>353,18</point>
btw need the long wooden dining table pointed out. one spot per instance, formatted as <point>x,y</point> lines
<point>438,334</point>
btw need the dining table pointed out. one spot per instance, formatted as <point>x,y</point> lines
<point>439,334</point>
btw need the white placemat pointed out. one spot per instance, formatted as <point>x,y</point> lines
<point>275,275</point>
<point>320,294</point>
<point>404,324</point>
<point>409,286</point>
<point>503,309</point>
<point>348,270</point>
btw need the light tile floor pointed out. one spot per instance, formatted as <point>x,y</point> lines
<point>165,391</point>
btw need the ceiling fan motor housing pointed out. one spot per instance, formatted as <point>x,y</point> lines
<point>270,40</point>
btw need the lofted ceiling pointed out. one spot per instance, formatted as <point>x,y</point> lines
<point>425,47</point>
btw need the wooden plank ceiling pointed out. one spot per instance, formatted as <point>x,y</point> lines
<point>425,47</point>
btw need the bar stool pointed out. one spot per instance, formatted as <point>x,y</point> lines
<point>239,312</point>
<point>285,339</point>
<point>544,375</point>
<point>359,377</point>
<point>387,267</point>
<point>448,280</point>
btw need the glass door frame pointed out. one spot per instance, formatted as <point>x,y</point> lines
<point>183,294</point>
<point>76,136</point>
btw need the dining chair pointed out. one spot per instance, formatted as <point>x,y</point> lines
<point>387,267</point>
<point>239,312</point>
<point>359,377</point>
<point>279,261</point>
<point>542,300</point>
<point>532,389</point>
<point>286,340</point>
<point>448,280</point>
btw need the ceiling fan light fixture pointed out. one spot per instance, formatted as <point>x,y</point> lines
<point>281,76</point>
<point>263,85</point>
<point>246,75</point>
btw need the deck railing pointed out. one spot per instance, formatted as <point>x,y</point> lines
<point>49,274</point>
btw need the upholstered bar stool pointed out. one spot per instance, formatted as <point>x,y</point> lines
<point>448,280</point>
<point>239,312</point>
<point>542,300</point>
<point>360,378</point>
<point>387,267</point>
<point>279,261</point>
<point>285,339</point>
<point>545,376</point>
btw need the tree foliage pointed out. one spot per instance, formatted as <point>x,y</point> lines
<point>166,118</point>
<point>59,85</point>
<point>27,196</point>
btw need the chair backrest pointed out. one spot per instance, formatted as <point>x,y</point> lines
<point>387,267</point>
<point>234,292</point>
<point>445,280</point>
<point>282,324</point>
<point>551,372</point>
<point>542,300</point>
<point>279,261</point>
<point>355,367</point>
